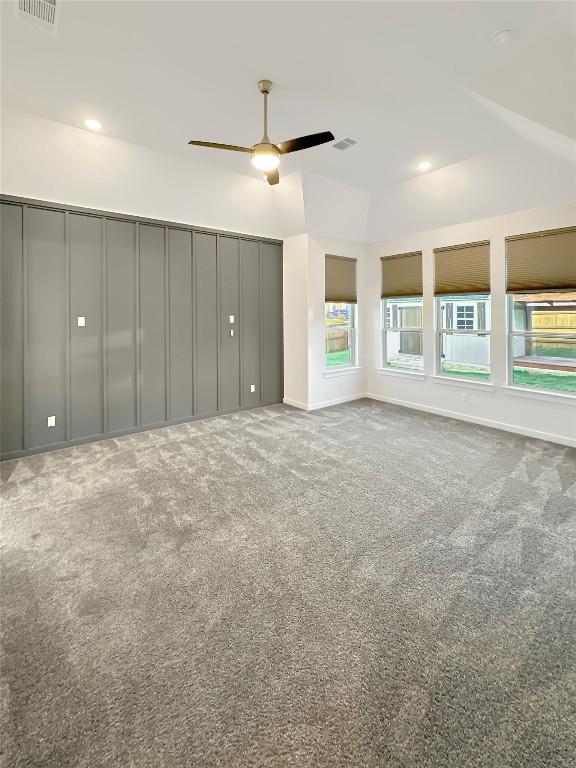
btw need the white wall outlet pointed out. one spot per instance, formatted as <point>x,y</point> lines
<point>81,321</point>
<point>51,421</point>
<point>231,331</point>
<point>252,387</point>
<point>231,319</point>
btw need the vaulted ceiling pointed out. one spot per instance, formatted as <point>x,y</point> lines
<point>402,78</point>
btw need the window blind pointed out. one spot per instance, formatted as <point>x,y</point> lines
<point>340,273</point>
<point>462,269</point>
<point>402,275</point>
<point>541,261</point>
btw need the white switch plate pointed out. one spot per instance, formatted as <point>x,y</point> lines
<point>231,319</point>
<point>252,387</point>
<point>231,331</point>
<point>51,421</point>
<point>81,321</point>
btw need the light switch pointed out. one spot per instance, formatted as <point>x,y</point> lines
<point>51,421</point>
<point>252,387</point>
<point>231,331</point>
<point>81,321</point>
<point>231,319</point>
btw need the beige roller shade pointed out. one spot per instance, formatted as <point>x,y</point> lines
<point>541,261</point>
<point>462,269</point>
<point>340,279</point>
<point>402,275</point>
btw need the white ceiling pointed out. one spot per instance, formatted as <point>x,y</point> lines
<point>395,76</point>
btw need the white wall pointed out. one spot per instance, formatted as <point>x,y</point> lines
<point>295,286</point>
<point>333,209</point>
<point>307,382</point>
<point>549,416</point>
<point>515,179</point>
<point>52,161</point>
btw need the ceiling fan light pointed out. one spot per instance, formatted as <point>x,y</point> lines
<point>266,158</point>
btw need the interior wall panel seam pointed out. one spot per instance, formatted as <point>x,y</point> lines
<point>26,317</point>
<point>104,310</point>
<point>167,355</point>
<point>138,326</point>
<point>67,313</point>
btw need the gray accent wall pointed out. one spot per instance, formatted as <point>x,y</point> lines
<point>111,324</point>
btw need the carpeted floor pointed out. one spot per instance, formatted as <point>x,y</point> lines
<point>359,586</point>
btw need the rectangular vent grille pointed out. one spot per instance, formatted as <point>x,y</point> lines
<point>344,144</point>
<point>42,12</point>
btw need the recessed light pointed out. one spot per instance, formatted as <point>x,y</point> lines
<point>93,125</point>
<point>502,37</point>
<point>425,165</point>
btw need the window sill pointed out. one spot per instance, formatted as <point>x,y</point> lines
<point>454,381</point>
<point>345,370</point>
<point>416,375</point>
<point>564,398</point>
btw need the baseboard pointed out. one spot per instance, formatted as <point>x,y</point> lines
<point>325,404</point>
<point>295,404</point>
<point>526,431</point>
<point>63,444</point>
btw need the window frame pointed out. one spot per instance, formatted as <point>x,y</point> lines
<point>511,334</point>
<point>439,330</point>
<point>352,329</point>
<point>386,310</point>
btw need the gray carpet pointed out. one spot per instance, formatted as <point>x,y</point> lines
<point>360,586</point>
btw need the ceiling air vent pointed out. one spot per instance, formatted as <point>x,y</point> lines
<point>40,12</point>
<point>344,144</point>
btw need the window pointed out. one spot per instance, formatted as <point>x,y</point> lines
<point>541,286</point>
<point>464,336</point>
<point>543,340</point>
<point>402,311</point>
<point>402,333</point>
<point>465,317</point>
<point>340,334</point>
<point>340,311</point>
<point>462,291</point>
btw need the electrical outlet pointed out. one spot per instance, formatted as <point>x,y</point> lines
<point>252,387</point>
<point>51,421</point>
<point>231,319</point>
<point>81,321</point>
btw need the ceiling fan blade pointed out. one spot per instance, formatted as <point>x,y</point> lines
<point>305,142</point>
<point>273,177</point>
<point>214,145</point>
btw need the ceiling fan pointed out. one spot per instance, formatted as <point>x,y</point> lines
<point>265,155</point>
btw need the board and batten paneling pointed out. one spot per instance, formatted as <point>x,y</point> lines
<point>180,323</point>
<point>205,324</point>
<point>152,326</point>
<point>271,322</point>
<point>46,299</point>
<point>111,324</point>
<point>250,319</point>
<point>228,292</point>
<point>121,317</point>
<point>12,330</point>
<point>85,235</point>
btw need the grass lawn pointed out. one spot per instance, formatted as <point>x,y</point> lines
<point>466,374</point>
<point>552,351</point>
<point>564,382</point>
<point>338,358</point>
<point>561,382</point>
